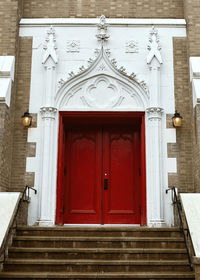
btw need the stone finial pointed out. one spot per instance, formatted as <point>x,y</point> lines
<point>154,47</point>
<point>50,46</point>
<point>102,30</point>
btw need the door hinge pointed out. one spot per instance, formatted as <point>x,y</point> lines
<point>140,210</point>
<point>139,171</point>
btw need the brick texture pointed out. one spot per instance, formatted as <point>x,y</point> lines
<point>112,8</point>
<point>5,147</point>
<point>191,13</point>
<point>21,148</point>
<point>10,14</point>
<point>182,149</point>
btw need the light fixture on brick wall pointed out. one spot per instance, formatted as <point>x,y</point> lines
<point>177,119</point>
<point>27,119</point>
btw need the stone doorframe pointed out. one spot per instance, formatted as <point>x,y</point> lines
<point>103,87</point>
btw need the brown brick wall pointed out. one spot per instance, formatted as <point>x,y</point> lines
<point>191,13</point>
<point>112,8</point>
<point>182,149</point>
<point>5,147</point>
<point>20,147</point>
<point>10,13</point>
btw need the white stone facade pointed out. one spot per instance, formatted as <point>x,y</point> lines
<point>73,61</point>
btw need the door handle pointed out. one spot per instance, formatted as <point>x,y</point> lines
<point>105,184</point>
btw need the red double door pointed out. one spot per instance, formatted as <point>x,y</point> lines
<point>102,175</point>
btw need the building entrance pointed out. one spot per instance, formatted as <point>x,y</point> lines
<point>102,182</point>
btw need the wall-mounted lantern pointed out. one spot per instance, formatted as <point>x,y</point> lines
<point>177,120</point>
<point>26,119</point>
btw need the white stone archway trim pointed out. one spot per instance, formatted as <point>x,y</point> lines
<point>102,87</point>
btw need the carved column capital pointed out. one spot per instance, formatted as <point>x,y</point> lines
<point>154,113</point>
<point>48,112</point>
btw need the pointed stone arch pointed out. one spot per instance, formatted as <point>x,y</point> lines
<point>87,90</point>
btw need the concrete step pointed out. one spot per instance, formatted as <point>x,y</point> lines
<point>99,231</point>
<point>98,253</point>
<point>102,276</point>
<point>98,266</point>
<point>98,242</point>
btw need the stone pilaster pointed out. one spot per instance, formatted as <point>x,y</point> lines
<point>47,181</point>
<point>48,131</point>
<point>154,166</point>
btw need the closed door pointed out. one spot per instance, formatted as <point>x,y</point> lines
<point>102,175</point>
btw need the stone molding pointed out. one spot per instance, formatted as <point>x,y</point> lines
<point>94,21</point>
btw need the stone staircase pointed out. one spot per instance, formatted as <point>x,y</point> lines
<point>97,253</point>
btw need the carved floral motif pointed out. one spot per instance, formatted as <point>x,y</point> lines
<point>132,47</point>
<point>102,29</point>
<point>73,46</point>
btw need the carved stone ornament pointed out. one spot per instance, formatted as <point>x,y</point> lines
<point>102,93</point>
<point>73,46</point>
<point>61,82</point>
<point>50,46</point>
<point>102,30</point>
<point>103,68</point>
<point>154,47</point>
<point>132,47</point>
<point>48,112</point>
<point>154,113</point>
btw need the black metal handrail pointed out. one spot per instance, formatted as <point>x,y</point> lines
<point>179,208</point>
<point>24,197</point>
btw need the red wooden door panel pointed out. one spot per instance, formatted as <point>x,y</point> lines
<point>83,179</point>
<point>121,163</point>
<point>102,182</point>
